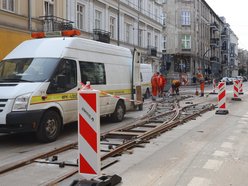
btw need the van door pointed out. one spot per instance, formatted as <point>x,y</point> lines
<point>63,89</point>
<point>95,73</point>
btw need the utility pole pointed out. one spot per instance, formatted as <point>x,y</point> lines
<point>118,24</point>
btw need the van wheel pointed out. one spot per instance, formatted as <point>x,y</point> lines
<point>140,107</point>
<point>119,112</point>
<point>49,127</point>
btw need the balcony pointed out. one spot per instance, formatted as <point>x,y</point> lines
<point>54,23</point>
<point>214,42</point>
<point>152,51</point>
<point>214,59</point>
<point>214,26</point>
<point>224,33</point>
<point>101,35</point>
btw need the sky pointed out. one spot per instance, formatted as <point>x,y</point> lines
<point>236,14</point>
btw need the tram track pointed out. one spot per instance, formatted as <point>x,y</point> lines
<point>162,116</point>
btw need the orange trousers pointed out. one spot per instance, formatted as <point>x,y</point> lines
<point>202,87</point>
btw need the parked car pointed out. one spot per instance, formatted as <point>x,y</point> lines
<point>245,78</point>
<point>227,80</point>
<point>240,78</point>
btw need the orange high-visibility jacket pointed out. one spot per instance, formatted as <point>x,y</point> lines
<point>154,82</point>
<point>161,81</point>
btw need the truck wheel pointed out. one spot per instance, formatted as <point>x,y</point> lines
<point>119,112</point>
<point>49,127</point>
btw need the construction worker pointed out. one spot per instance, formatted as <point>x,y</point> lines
<point>201,80</point>
<point>161,84</point>
<point>154,82</point>
<point>175,84</point>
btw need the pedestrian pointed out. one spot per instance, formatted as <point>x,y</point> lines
<point>154,82</point>
<point>175,84</point>
<point>201,80</point>
<point>161,84</point>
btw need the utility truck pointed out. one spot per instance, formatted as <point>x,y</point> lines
<point>40,78</point>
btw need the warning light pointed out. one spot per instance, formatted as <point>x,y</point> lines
<point>66,33</point>
<point>38,35</point>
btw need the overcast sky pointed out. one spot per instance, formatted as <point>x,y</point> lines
<point>236,14</point>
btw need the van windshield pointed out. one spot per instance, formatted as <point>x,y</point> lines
<point>27,69</point>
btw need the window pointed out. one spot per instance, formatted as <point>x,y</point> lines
<point>149,39</point>
<point>80,16</point>
<point>92,72</point>
<point>186,42</point>
<point>164,42</point>
<point>128,32</point>
<point>8,5</point>
<point>65,77</point>
<point>49,11</point>
<point>98,19</point>
<point>156,17</point>
<point>140,5</point>
<point>185,18</point>
<point>140,38</point>
<point>156,41</point>
<point>112,23</point>
<point>164,19</point>
<point>149,9</point>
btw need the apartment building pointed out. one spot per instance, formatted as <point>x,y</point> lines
<point>230,62</point>
<point>19,17</point>
<point>193,39</point>
<point>243,62</point>
<point>128,23</point>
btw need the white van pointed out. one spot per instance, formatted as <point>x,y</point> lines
<point>40,78</point>
<point>145,78</point>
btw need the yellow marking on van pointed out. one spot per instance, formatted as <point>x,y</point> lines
<point>72,96</point>
<point>53,98</point>
<point>146,84</point>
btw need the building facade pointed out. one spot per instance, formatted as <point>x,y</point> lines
<point>193,39</point>
<point>128,23</point>
<point>18,18</point>
<point>243,62</point>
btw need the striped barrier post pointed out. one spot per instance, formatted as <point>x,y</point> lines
<point>89,133</point>
<point>214,87</point>
<point>241,87</point>
<point>236,91</point>
<point>222,99</point>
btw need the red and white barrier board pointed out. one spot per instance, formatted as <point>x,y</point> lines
<point>222,99</point>
<point>89,133</point>
<point>236,91</point>
<point>241,87</point>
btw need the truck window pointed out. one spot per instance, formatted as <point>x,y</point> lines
<point>65,77</point>
<point>93,72</point>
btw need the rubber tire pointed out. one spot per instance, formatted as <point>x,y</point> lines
<point>42,133</point>
<point>119,112</point>
<point>140,107</point>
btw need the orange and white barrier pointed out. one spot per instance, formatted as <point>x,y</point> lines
<point>236,91</point>
<point>222,99</point>
<point>89,133</point>
<point>241,87</point>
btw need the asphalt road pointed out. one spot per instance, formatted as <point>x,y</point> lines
<point>209,151</point>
